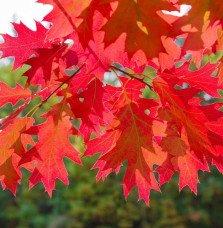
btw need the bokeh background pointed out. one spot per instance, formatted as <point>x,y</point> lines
<point>86,203</point>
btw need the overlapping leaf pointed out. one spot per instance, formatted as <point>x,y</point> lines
<point>13,95</point>
<point>21,47</point>
<point>129,139</point>
<point>13,146</point>
<point>177,128</point>
<point>52,146</point>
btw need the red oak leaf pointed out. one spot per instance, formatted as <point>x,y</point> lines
<point>201,25</point>
<point>129,138</point>
<point>195,17</point>
<point>64,16</point>
<point>200,79</point>
<point>86,30</point>
<point>49,65</point>
<point>188,167</point>
<point>12,95</point>
<point>13,146</point>
<point>98,57</point>
<point>194,145</point>
<point>66,12</point>
<point>131,18</point>
<point>52,146</point>
<point>93,110</point>
<point>22,46</point>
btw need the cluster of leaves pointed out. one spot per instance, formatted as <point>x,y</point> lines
<point>152,117</point>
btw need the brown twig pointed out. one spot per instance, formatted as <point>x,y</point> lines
<point>67,80</point>
<point>131,76</point>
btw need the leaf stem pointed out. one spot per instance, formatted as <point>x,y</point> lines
<point>131,76</point>
<point>67,80</point>
<point>35,108</point>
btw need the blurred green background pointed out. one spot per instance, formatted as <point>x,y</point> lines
<point>86,203</point>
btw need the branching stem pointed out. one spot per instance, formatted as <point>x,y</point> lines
<point>132,76</point>
<point>66,81</point>
<point>34,109</point>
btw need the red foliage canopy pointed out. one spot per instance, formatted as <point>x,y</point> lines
<point>141,97</point>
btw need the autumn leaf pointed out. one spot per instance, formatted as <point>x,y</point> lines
<point>52,146</point>
<point>92,110</point>
<point>13,146</point>
<point>129,139</point>
<point>119,75</point>
<point>64,16</point>
<point>22,46</point>
<point>49,65</point>
<point>194,146</point>
<point>202,78</point>
<point>131,18</point>
<point>201,25</point>
<point>13,95</point>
